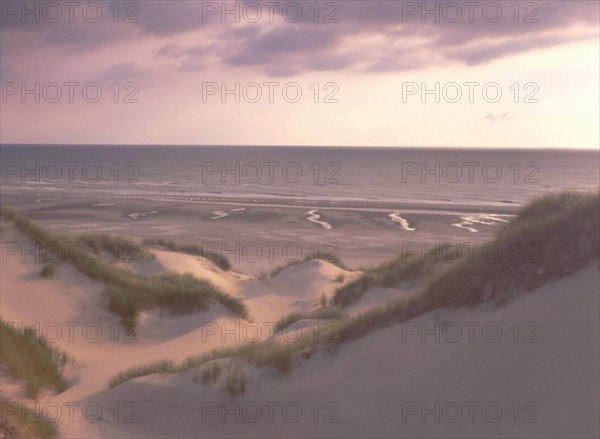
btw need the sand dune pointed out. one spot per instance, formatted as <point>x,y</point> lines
<point>518,370</point>
<point>372,386</point>
<point>97,343</point>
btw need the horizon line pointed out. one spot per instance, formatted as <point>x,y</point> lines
<point>520,148</point>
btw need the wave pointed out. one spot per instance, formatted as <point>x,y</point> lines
<point>488,219</point>
<point>314,217</point>
<point>138,215</point>
<point>404,224</point>
<point>218,214</point>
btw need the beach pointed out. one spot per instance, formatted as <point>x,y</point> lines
<point>258,235</point>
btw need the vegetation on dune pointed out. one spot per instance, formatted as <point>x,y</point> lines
<point>552,237</point>
<point>218,259</point>
<point>27,357</point>
<point>542,242</point>
<point>17,421</point>
<point>120,248</point>
<point>404,267</point>
<point>277,355</point>
<point>235,382</point>
<point>211,373</point>
<point>317,256</point>
<point>128,292</point>
<point>179,293</point>
<point>320,314</point>
<point>48,271</point>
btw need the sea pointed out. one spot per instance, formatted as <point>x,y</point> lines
<point>477,177</point>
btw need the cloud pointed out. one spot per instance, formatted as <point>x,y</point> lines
<point>369,36</point>
<point>282,44</point>
<point>499,118</point>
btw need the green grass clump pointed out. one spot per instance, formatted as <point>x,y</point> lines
<point>128,292</point>
<point>388,274</point>
<point>167,243</point>
<point>27,357</point>
<point>48,271</point>
<point>179,293</point>
<point>121,249</point>
<point>17,421</point>
<point>235,382</point>
<point>320,314</point>
<point>158,367</point>
<point>211,373</point>
<point>218,259</point>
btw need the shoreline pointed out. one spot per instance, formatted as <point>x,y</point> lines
<point>414,206</point>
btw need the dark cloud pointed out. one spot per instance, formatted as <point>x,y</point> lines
<point>399,37</point>
<point>494,50</point>
<point>172,50</point>
<point>470,37</point>
<point>171,17</point>
<point>281,44</point>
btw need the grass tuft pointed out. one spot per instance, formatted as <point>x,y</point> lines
<point>48,271</point>
<point>27,356</point>
<point>120,248</point>
<point>128,292</point>
<point>18,421</point>
<point>235,382</point>
<point>320,314</point>
<point>158,367</point>
<point>388,274</point>
<point>218,259</point>
<point>211,373</point>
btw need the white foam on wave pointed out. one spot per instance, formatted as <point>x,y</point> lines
<point>404,224</point>
<point>138,215</point>
<point>313,217</point>
<point>218,214</point>
<point>488,219</point>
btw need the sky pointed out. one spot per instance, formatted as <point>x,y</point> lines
<point>353,73</point>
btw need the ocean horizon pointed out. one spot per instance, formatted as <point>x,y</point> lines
<point>484,177</point>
